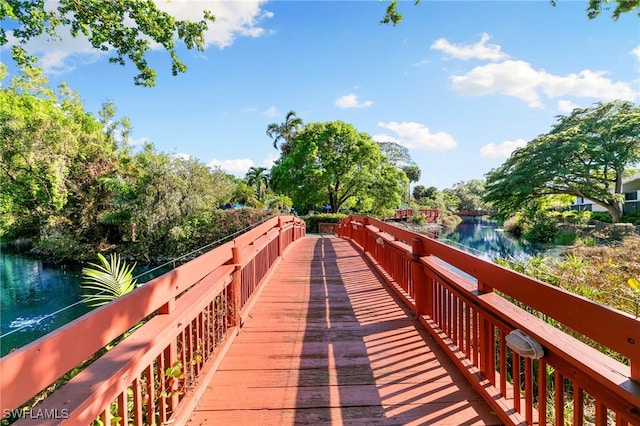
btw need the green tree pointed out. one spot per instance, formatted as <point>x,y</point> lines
<point>285,132</point>
<point>258,178</point>
<point>397,154</point>
<point>471,195</point>
<point>52,154</point>
<point>126,28</point>
<point>430,196</point>
<point>167,192</point>
<point>586,154</point>
<point>331,163</point>
<point>413,175</point>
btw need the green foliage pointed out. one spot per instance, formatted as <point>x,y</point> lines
<point>621,6</point>
<point>313,220</point>
<point>397,155</point>
<point>53,153</point>
<point>584,155</point>
<point>601,216</point>
<point>107,280</point>
<point>633,218</point>
<point>331,163</point>
<point>471,195</point>
<point>594,8</point>
<point>285,132</point>
<point>412,172</point>
<point>258,179</point>
<point>70,183</point>
<point>124,28</point>
<point>418,218</point>
<point>565,238</point>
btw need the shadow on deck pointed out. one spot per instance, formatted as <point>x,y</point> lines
<point>329,343</point>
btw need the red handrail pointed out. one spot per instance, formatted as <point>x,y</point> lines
<point>470,316</point>
<point>191,315</point>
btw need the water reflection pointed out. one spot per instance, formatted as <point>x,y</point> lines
<point>484,239</point>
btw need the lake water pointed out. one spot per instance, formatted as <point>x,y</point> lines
<point>482,238</point>
<point>36,298</point>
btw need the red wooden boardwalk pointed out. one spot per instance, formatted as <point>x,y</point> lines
<point>327,343</point>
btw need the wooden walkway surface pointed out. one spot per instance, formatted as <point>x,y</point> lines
<point>327,343</point>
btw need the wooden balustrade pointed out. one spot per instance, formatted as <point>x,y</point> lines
<point>176,329</point>
<point>470,305</point>
<point>431,215</point>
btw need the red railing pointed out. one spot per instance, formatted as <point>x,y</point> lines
<point>431,215</point>
<point>472,307</point>
<point>177,327</point>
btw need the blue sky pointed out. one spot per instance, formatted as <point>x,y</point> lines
<point>461,84</point>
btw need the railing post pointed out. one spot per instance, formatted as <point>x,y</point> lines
<point>422,283</point>
<point>365,239</point>
<point>280,236</point>
<point>487,340</point>
<point>236,284</point>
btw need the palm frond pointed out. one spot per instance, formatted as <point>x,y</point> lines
<point>107,280</point>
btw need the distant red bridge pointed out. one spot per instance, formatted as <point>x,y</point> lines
<point>432,215</point>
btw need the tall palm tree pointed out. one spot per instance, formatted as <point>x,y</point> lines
<point>257,178</point>
<point>284,131</point>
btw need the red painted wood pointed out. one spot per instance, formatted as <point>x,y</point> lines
<point>328,343</point>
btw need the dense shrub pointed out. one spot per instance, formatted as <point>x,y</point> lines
<point>313,220</point>
<point>631,218</point>
<point>418,218</point>
<point>565,238</point>
<point>601,216</point>
<point>542,231</point>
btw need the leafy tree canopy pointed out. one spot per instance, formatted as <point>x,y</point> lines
<point>51,151</point>
<point>470,195</point>
<point>586,154</point>
<point>397,154</point>
<point>124,27</point>
<point>332,163</point>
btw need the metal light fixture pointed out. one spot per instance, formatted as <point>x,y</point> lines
<point>380,241</point>
<point>524,345</point>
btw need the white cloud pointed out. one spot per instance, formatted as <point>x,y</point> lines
<point>494,151</point>
<point>588,84</point>
<point>137,141</point>
<point>233,19</point>
<point>237,166</point>
<point>182,156</point>
<point>567,106</point>
<point>270,112</point>
<point>513,78</point>
<point>270,160</point>
<point>519,79</point>
<point>479,50</point>
<point>351,101</point>
<point>416,135</point>
<point>635,52</point>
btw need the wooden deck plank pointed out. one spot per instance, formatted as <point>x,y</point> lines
<point>328,344</point>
